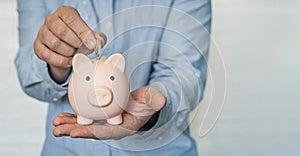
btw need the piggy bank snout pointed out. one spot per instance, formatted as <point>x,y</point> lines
<point>100,96</point>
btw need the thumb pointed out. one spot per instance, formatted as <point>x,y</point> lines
<point>145,102</point>
<point>156,99</point>
<point>83,48</point>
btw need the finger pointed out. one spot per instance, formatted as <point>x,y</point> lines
<point>54,43</point>
<point>84,50</point>
<point>139,109</point>
<point>145,101</point>
<point>60,120</point>
<point>83,132</point>
<point>140,95</point>
<point>50,56</point>
<point>133,123</point>
<point>101,132</point>
<point>67,114</point>
<point>149,95</point>
<point>158,100</point>
<point>102,37</point>
<point>64,130</point>
<point>62,31</point>
<point>72,19</point>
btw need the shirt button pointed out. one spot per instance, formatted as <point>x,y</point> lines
<point>55,99</point>
<point>108,25</point>
<point>159,138</point>
<point>180,119</point>
<point>84,2</point>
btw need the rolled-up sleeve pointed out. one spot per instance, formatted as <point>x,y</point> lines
<point>179,71</point>
<point>32,72</point>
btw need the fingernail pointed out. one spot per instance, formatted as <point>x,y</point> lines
<point>57,133</point>
<point>162,99</point>
<point>56,123</point>
<point>90,44</point>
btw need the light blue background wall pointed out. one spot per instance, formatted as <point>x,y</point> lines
<point>259,41</point>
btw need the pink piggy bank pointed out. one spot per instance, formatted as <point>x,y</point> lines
<point>98,89</point>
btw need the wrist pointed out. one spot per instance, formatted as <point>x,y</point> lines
<point>59,75</point>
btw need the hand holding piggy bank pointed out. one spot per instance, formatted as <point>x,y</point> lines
<point>98,89</point>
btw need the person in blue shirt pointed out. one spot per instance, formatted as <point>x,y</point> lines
<point>165,44</point>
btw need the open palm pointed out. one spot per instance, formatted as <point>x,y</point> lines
<point>143,103</point>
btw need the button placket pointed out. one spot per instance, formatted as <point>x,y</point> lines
<point>108,25</point>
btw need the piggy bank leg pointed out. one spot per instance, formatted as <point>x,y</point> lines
<point>115,120</point>
<point>83,120</point>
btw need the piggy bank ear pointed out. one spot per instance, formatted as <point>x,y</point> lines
<point>80,61</point>
<point>117,60</point>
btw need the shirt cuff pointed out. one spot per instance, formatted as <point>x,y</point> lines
<point>56,91</point>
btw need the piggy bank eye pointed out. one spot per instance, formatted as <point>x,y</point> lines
<point>112,78</point>
<point>87,78</point>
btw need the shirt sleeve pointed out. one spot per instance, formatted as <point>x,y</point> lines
<point>179,71</point>
<point>32,72</point>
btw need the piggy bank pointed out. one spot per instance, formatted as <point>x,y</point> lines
<point>98,89</point>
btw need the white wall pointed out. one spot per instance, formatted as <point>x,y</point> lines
<point>22,118</point>
<point>259,40</point>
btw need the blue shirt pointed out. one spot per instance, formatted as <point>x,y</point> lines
<point>165,44</point>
